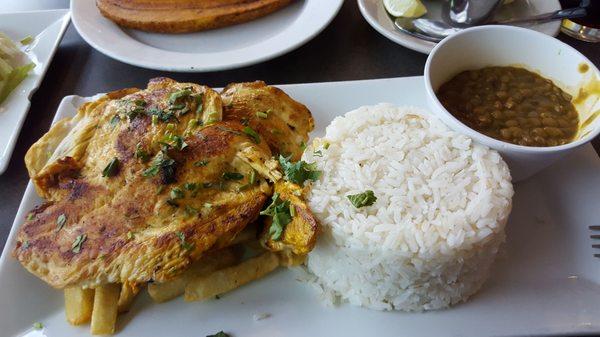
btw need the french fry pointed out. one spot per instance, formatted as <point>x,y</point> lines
<point>128,293</point>
<point>162,292</point>
<point>227,279</point>
<point>106,304</point>
<point>78,304</point>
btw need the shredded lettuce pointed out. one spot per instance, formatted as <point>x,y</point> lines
<point>14,79</point>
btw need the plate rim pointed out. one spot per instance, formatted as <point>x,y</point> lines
<point>412,42</point>
<point>63,15</point>
<point>197,67</point>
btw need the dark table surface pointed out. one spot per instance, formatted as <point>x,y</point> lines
<point>348,49</point>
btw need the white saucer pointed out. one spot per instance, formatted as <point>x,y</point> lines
<point>376,15</point>
<point>218,49</point>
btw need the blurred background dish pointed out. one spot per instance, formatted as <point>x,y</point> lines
<point>376,15</point>
<point>45,29</point>
<point>218,49</point>
<point>185,16</point>
<point>586,28</point>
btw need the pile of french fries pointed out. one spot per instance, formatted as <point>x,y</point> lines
<point>216,273</point>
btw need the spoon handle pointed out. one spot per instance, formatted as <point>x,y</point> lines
<point>569,13</point>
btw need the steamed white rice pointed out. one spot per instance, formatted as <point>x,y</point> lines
<point>430,238</point>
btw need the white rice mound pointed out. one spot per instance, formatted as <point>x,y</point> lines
<point>430,238</point>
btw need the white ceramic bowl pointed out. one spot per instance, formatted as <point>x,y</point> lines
<point>484,46</point>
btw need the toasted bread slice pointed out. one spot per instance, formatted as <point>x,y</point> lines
<point>185,16</point>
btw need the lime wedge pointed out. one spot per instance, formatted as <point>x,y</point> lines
<point>405,8</point>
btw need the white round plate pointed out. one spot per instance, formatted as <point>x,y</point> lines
<point>217,49</point>
<point>376,15</point>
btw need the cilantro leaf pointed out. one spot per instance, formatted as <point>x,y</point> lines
<point>179,95</point>
<point>232,176</point>
<point>366,198</point>
<point>280,211</point>
<point>252,134</point>
<point>300,171</point>
<point>163,164</point>
<point>79,240</point>
<point>185,245</point>
<point>61,221</point>
<point>112,168</point>
<point>219,334</point>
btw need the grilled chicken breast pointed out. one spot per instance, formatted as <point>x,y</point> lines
<point>141,183</point>
<point>184,16</point>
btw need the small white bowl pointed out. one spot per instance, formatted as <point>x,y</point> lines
<point>483,46</point>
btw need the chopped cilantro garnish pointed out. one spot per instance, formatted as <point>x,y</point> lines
<point>366,198</point>
<point>262,114</point>
<point>79,240</point>
<point>139,102</point>
<point>326,145</point>
<point>25,244</point>
<point>114,120</point>
<point>199,100</point>
<point>178,95</point>
<point>141,154</point>
<point>300,171</point>
<point>130,235</point>
<point>38,325</point>
<point>134,111</point>
<point>172,203</point>
<point>185,245</point>
<point>176,193</point>
<point>61,221</point>
<point>253,134</point>
<point>111,169</point>
<point>219,334</point>
<point>252,179</point>
<point>200,163</point>
<point>161,115</point>
<point>190,186</point>
<point>302,145</point>
<point>30,216</point>
<point>279,210</point>
<point>174,141</point>
<point>232,176</point>
<point>194,123</point>
<point>163,164</point>
<point>189,210</point>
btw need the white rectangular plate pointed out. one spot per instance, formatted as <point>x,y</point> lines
<point>546,282</point>
<point>47,27</point>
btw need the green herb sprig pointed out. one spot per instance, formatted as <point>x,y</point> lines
<point>111,169</point>
<point>300,171</point>
<point>367,198</point>
<point>280,211</point>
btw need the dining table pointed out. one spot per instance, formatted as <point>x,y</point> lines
<point>348,49</point>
